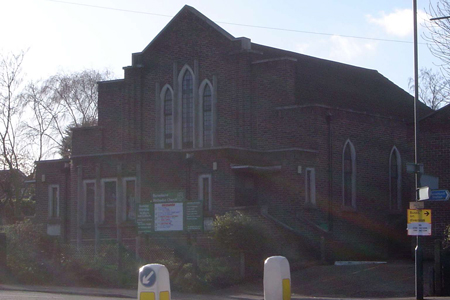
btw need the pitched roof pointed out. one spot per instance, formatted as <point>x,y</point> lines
<point>325,82</point>
<point>334,84</point>
<point>198,14</point>
<point>442,113</point>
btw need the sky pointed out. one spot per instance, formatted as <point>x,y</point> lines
<point>68,36</point>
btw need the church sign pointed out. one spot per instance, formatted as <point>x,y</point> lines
<point>168,212</point>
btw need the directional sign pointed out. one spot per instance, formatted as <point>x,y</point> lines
<point>423,229</point>
<point>419,216</point>
<point>419,222</point>
<point>147,277</point>
<point>439,195</point>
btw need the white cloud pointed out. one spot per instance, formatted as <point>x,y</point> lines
<point>398,23</point>
<point>350,50</point>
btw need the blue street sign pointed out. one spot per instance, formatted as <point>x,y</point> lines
<point>439,195</point>
<point>147,277</point>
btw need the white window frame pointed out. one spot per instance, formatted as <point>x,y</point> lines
<point>102,209</point>
<point>124,196</point>
<point>84,207</point>
<point>50,200</point>
<point>200,189</point>
<point>395,152</point>
<point>348,143</point>
<point>310,199</point>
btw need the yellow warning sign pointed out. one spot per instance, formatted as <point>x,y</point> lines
<point>419,216</point>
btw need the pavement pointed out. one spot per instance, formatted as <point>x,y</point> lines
<point>393,280</point>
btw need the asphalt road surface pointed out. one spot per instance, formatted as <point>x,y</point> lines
<point>12,295</point>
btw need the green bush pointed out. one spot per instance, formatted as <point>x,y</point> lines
<point>28,252</point>
<point>35,258</point>
<point>236,231</point>
<point>212,273</point>
<point>85,268</point>
<point>218,272</point>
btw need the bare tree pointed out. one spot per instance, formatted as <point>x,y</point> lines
<point>48,107</point>
<point>434,88</point>
<point>13,150</point>
<point>438,33</point>
<point>46,117</point>
<point>62,101</point>
<point>77,93</point>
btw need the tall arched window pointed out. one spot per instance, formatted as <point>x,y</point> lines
<point>207,117</point>
<point>168,120</point>
<point>395,180</point>
<point>349,175</point>
<point>187,100</point>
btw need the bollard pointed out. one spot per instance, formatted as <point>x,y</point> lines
<point>277,278</point>
<point>154,282</point>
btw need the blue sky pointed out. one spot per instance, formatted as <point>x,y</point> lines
<point>63,36</point>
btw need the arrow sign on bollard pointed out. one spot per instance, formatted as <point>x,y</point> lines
<point>147,276</point>
<point>439,195</point>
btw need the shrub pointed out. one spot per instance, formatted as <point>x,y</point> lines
<point>237,231</point>
<point>28,252</point>
<point>212,273</point>
<point>35,258</point>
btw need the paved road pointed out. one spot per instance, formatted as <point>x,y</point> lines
<point>14,295</point>
<point>374,281</point>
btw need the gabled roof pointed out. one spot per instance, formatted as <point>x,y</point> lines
<point>6,174</point>
<point>443,112</point>
<point>198,14</point>
<point>325,82</point>
<point>339,85</point>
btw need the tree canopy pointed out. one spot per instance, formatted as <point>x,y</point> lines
<point>35,118</point>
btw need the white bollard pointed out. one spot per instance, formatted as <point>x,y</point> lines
<point>277,278</point>
<point>154,282</point>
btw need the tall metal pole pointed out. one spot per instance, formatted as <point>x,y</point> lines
<point>418,250</point>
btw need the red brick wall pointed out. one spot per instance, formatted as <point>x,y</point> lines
<point>87,140</point>
<point>53,173</point>
<point>256,97</point>
<point>434,153</point>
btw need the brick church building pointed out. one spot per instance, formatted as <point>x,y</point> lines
<point>317,147</point>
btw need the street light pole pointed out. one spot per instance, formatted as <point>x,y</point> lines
<point>418,250</point>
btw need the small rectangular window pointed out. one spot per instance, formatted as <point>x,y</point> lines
<point>53,201</point>
<point>109,201</point>
<point>130,199</point>
<point>89,198</point>
<point>310,186</point>
<point>205,191</point>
